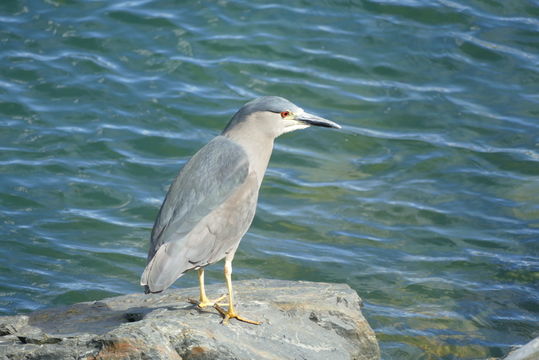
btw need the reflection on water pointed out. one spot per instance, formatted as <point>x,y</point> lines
<point>426,202</point>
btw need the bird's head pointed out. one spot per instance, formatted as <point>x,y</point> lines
<point>275,116</point>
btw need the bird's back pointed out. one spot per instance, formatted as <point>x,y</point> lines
<point>206,211</point>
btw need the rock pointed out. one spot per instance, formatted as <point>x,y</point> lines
<point>301,320</point>
<point>529,351</point>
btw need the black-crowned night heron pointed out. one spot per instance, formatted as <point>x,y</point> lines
<point>212,202</point>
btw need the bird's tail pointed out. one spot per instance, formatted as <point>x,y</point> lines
<point>160,272</point>
<point>148,291</point>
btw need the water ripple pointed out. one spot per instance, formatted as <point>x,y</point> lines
<point>425,202</point>
<point>504,49</point>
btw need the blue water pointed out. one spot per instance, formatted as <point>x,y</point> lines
<point>426,202</point>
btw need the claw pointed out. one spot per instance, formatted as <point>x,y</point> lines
<point>202,303</point>
<point>227,315</point>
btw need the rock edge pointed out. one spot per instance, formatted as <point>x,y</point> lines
<point>301,320</point>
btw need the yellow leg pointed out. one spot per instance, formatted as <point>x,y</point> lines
<point>204,301</point>
<point>231,313</point>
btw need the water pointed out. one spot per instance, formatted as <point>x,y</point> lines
<point>426,203</point>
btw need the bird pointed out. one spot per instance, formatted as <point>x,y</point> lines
<point>211,203</point>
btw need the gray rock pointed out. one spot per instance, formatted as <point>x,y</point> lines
<point>301,320</point>
<point>529,351</point>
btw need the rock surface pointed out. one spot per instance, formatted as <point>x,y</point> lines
<point>301,320</point>
<point>529,351</point>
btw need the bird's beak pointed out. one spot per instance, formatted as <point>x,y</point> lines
<point>314,120</point>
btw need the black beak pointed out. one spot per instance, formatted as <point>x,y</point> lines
<point>314,120</point>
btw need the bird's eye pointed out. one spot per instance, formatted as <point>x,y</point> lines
<point>285,114</point>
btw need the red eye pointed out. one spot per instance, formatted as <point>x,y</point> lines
<point>285,114</point>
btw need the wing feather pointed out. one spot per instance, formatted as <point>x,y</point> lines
<point>208,179</point>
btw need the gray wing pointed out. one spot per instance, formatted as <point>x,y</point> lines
<point>204,184</point>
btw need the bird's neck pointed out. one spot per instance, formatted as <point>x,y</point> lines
<point>258,147</point>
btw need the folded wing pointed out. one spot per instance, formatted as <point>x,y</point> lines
<point>198,220</point>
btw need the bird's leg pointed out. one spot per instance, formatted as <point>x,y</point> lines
<point>231,313</point>
<point>204,301</point>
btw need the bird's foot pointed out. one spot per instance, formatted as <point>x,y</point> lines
<point>227,315</point>
<point>202,303</point>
